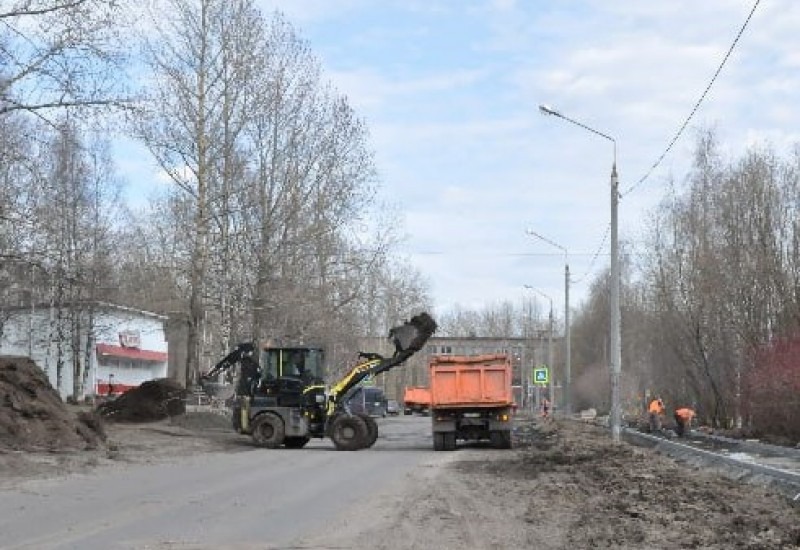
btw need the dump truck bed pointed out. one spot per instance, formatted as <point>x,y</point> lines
<point>417,395</point>
<point>474,381</point>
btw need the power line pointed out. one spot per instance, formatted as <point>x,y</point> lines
<point>696,105</point>
<point>460,253</point>
<point>594,258</point>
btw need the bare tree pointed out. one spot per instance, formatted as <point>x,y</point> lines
<point>59,54</point>
<point>722,275</point>
<point>313,177</point>
<point>190,126</point>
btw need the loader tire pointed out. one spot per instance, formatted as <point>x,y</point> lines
<point>268,431</point>
<point>372,430</point>
<point>295,442</point>
<point>349,433</point>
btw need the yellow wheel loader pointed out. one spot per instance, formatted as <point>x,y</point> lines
<point>281,398</point>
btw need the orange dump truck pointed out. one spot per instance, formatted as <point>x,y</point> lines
<point>416,399</point>
<point>471,399</point>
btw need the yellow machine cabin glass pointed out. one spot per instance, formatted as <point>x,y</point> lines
<point>307,364</point>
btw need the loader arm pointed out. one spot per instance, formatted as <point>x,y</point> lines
<point>242,350</point>
<point>249,375</point>
<point>407,339</point>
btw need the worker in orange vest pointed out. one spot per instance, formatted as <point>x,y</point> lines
<point>683,419</point>
<point>655,411</point>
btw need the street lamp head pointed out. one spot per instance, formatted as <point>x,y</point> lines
<point>547,110</point>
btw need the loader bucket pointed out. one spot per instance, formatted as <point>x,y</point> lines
<point>412,335</point>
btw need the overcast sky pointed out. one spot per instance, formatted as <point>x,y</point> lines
<point>450,90</point>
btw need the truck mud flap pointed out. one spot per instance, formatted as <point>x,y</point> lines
<point>444,426</point>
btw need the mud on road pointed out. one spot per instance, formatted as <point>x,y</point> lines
<point>127,444</point>
<point>592,493</point>
<point>565,485</point>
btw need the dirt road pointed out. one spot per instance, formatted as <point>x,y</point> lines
<point>564,486</point>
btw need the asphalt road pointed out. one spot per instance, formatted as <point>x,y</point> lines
<point>257,498</point>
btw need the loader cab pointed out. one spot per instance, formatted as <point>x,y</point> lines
<point>302,364</point>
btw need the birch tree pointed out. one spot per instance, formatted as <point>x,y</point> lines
<point>199,59</point>
<point>271,225</point>
<point>313,178</point>
<point>57,54</point>
<point>75,207</point>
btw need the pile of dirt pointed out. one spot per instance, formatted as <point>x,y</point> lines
<point>150,401</point>
<point>605,495</point>
<point>33,417</point>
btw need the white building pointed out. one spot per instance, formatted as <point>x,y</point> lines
<point>111,348</point>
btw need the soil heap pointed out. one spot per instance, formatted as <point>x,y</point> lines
<point>152,400</point>
<point>33,417</point>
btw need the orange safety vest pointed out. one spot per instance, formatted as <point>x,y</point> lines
<point>656,407</point>
<point>685,414</point>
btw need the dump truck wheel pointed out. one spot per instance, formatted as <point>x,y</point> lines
<point>438,441</point>
<point>449,441</point>
<point>295,442</point>
<point>349,433</point>
<point>372,430</point>
<point>268,431</point>
<point>501,439</point>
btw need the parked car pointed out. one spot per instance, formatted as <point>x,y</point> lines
<point>392,407</point>
<point>368,400</point>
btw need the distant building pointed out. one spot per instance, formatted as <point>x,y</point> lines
<point>112,348</point>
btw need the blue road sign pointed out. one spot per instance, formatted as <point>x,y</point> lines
<point>541,375</point>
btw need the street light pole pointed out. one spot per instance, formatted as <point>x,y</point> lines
<point>616,341</point>
<point>567,329</point>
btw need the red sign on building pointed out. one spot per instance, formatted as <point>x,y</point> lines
<point>130,339</point>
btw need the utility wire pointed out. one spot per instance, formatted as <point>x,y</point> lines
<point>696,105</point>
<point>485,254</point>
<point>594,258</point>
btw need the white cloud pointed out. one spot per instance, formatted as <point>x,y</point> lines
<point>371,90</point>
<point>450,93</point>
<point>502,5</point>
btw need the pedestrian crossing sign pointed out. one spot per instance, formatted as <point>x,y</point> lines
<point>541,375</point>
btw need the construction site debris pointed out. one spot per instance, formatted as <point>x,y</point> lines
<point>152,400</point>
<point>578,489</point>
<point>34,418</point>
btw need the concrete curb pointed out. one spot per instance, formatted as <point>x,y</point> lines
<point>785,482</point>
<point>753,446</point>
